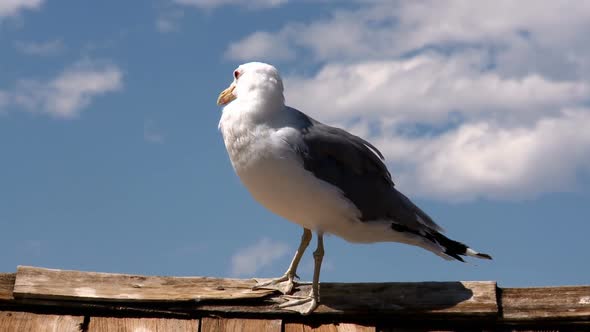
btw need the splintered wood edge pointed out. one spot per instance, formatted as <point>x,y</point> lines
<point>42,283</point>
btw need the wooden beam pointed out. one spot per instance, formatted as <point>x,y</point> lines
<point>188,294</point>
<point>6,286</point>
<point>108,324</point>
<point>184,298</point>
<point>25,321</point>
<point>41,283</point>
<point>546,303</point>
<point>213,324</point>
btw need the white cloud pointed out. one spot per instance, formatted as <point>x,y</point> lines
<point>14,7</point>
<point>46,48</point>
<point>247,3</point>
<point>385,28</point>
<point>428,88</point>
<point>260,46</point>
<point>69,93</point>
<point>249,260</point>
<point>343,35</point>
<point>484,159</point>
<point>466,99</point>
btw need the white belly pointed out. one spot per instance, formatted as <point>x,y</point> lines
<point>284,187</point>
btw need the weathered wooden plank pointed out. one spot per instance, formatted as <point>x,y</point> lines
<point>109,324</point>
<point>555,303</point>
<point>33,282</point>
<point>336,327</point>
<point>6,285</point>
<point>214,324</point>
<point>11,321</point>
<point>439,299</point>
<point>433,298</point>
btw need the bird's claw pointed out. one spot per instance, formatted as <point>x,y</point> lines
<point>282,284</point>
<point>301,304</point>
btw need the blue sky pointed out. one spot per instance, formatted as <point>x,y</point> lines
<point>111,159</point>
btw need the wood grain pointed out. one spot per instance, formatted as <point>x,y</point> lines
<point>33,282</point>
<point>433,298</point>
<point>6,285</point>
<point>474,298</point>
<point>177,300</point>
<point>11,321</point>
<point>437,299</point>
<point>336,327</point>
<point>110,324</point>
<point>213,324</point>
<point>555,303</point>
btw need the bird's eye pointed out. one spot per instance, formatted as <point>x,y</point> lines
<point>236,74</point>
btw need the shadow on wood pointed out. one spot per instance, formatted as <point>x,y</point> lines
<point>407,298</point>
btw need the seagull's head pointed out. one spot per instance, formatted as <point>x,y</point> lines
<point>254,81</point>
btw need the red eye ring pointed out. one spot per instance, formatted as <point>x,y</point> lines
<point>236,74</point>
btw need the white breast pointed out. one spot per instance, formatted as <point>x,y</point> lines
<point>273,173</point>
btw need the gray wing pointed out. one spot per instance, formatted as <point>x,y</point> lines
<point>356,167</point>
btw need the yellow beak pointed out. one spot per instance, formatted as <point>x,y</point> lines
<point>226,96</point>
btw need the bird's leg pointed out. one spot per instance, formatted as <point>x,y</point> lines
<point>306,305</point>
<point>318,257</point>
<point>285,283</point>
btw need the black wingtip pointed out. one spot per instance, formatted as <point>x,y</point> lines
<point>484,256</point>
<point>454,248</point>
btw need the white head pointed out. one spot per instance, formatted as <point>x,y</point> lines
<point>254,82</point>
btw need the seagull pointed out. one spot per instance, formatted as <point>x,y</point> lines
<point>322,178</point>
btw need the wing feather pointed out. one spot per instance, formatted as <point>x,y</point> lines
<point>356,167</point>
